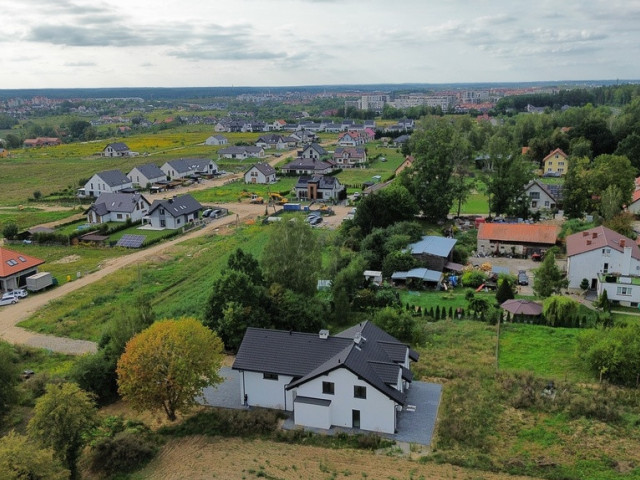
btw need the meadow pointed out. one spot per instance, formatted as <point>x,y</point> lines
<point>25,216</point>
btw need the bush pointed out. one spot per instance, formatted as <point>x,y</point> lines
<point>10,231</point>
<point>227,423</point>
<point>125,452</point>
<point>473,278</point>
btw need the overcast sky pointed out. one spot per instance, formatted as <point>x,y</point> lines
<point>185,43</point>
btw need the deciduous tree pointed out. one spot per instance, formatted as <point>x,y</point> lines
<point>21,459</point>
<point>62,418</point>
<point>168,365</point>
<point>549,278</point>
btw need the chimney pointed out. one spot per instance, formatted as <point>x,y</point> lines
<point>622,243</point>
<point>324,334</point>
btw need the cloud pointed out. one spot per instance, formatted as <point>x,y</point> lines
<point>80,64</point>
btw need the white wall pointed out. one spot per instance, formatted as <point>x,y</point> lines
<point>377,411</point>
<point>265,393</point>
<point>589,264</point>
<point>315,416</point>
<point>624,300</point>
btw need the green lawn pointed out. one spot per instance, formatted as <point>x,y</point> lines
<point>30,216</point>
<point>548,352</point>
<point>233,192</point>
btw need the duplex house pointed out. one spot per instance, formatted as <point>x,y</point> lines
<point>216,140</point>
<point>349,157</point>
<point>109,181</point>
<point>260,173</point>
<point>118,207</point>
<point>117,149</point>
<point>515,238</point>
<point>556,163</point>
<point>146,175</point>
<point>541,196</point>
<point>609,261</point>
<point>358,378</point>
<point>174,212</point>
<point>15,268</point>
<point>319,187</point>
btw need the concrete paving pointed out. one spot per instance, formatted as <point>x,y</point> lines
<point>416,422</point>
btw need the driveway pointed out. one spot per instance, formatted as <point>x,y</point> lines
<point>416,422</point>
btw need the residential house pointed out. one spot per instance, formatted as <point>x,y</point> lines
<point>351,139</point>
<point>272,141</point>
<point>117,149</point>
<point>174,212</point>
<point>15,268</point>
<point>118,207</point>
<point>303,137</point>
<point>216,140</point>
<point>240,153</point>
<point>401,140</point>
<point>309,166</point>
<point>314,151</point>
<point>109,181</point>
<point>42,142</point>
<point>600,253</point>
<point>349,157</point>
<point>407,163</point>
<point>278,125</point>
<point>556,163</point>
<point>541,196</point>
<point>420,277</point>
<point>333,128</point>
<point>515,238</point>
<point>146,175</point>
<point>356,379</point>
<point>319,187</point>
<point>435,253</point>
<point>187,167</point>
<point>634,206</point>
<point>262,173</point>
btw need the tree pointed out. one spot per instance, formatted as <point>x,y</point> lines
<point>37,195</point>
<point>437,146</point>
<point>610,202</point>
<point>576,190</point>
<point>10,231</point>
<point>603,302</point>
<point>21,459</point>
<point>62,418</point>
<point>292,257</point>
<point>400,324</point>
<point>8,377</point>
<point>504,292</point>
<point>167,365</point>
<point>384,208</point>
<point>247,263</point>
<point>558,310</point>
<point>549,278</point>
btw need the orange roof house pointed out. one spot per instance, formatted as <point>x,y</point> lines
<point>515,238</point>
<point>15,268</point>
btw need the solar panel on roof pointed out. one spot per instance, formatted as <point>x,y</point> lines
<point>131,241</point>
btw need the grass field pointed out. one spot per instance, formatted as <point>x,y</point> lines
<point>31,216</point>
<point>237,191</point>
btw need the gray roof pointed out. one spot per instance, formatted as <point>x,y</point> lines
<point>263,168</point>
<point>118,147</point>
<point>180,165</point>
<point>306,356</point>
<point>113,178</point>
<point>177,206</point>
<point>190,165</point>
<point>116,202</point>
<point>317,147</point>
<point>432,245</point>
<point>151,170</point>
<point>324,182</point>
<point>307,164</point>
<point>423,274</point>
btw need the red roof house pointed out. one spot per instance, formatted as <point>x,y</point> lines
<point>15,268</point>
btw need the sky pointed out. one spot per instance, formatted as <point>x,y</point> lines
<point>211,43</point>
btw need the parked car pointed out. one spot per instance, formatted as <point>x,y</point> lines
<point>8,300</point>
<point>315,221</point>
<point>522,278</point>
<point>207,212</point>
<point>18,292</point>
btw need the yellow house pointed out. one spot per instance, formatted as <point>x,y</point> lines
<point>556,163</point>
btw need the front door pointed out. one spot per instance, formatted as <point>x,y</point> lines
<point>355,418</point>
<point>594,283</point>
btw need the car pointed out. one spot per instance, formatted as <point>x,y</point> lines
<point>19,292</point>
<point>8,300</point>
<point>522,278</point>
<point>215,214</point>
<point>315,221</point>
<point>207,212</point>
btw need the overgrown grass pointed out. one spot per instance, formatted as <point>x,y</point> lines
<point>238,191</point>
<point>30,216</point>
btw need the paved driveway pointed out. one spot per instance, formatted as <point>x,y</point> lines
<point>416,422</point>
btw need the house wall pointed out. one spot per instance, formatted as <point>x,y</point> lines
<point>139,179</point>
<point>377,411</point>
<point>543,202</point>
<point>556,164</point>
<point>315,416</point>
<point>265,393</point>
<point>17,279</point>
<point>96,186</point>
<point>624,294</point>
<point>589,264</point>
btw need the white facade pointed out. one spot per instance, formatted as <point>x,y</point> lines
<point>602,260</point>
<point>161,219</point>
<point>254,175</point>
<point>139,178</point>
<point>377,412</point>
<point>538,199</point>
<point>624,290</point>
<point>265,390</point>
<point>97,186</point>
<point>216,140</point>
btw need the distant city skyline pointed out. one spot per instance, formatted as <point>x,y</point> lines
<point>195,43</point>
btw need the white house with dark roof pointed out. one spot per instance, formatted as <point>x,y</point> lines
<point>272,140</point>
<point>307,166</point>
<point>174,212</point>
<point>240,153</point>
<point>541,196</point>
<point>186,167</point>
<point>319,187</point>
<point>118,149</point>
<point>603,256</point>
<point>216,140</point>
<point>312,151</point>
<point>349,157</point>
<point>109,181</point>
<point>118,207</point>
<point>262,173</point>
<point>356,379</point>
<point>146,175</point>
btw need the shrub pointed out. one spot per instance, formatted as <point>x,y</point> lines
<point>10,231</point>
<point>122,453</point>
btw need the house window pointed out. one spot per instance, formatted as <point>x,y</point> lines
<point>605,269</point>
<point>163,223</point>
<point>161,211</point>
<point>561,164</point>
<point>624,291</point>
<point>546,204</point>
<point>270,376</point>
<point>328,388</point>
<point>178,221</point>
<point>359,391</point>
<point>534,195</point>
<point>534,204</point>
<point>119,216</point>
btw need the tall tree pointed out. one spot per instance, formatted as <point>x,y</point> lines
<point>549,278</point>
<point>62,418</point>
<point>385,207</point>
<point>245,262</point>
<point>576,190</point>
<point>292,257</point>
<point>436,146</point>
<point>168,365</point>
<point>21,459</point>
<point>610,202</point>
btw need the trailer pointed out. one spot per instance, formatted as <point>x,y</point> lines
<point>39,281</point>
